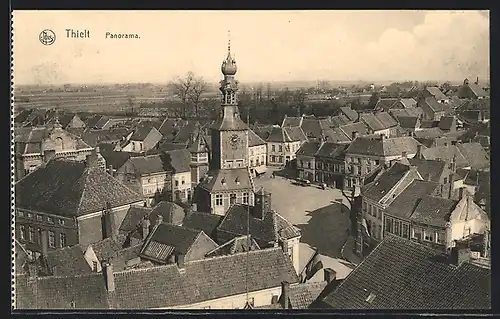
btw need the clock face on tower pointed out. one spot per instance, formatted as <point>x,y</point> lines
<point>234,140</point>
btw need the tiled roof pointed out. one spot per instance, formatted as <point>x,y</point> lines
<point>254,139</point>
<point>71,188</point>
<point>436,93</point>
<point>168,146</point>
<point>477,90</point>
<point>408,121</point>
<point>302,295</point>
<point>236,245</point>
<point>404,204</point>
<point>103,120</point>
<point>433,132</point>
<point>378,121</point>
<point>336,135</point>
<point>291,121</point>
<point>385,104</point>
<point>434,211</point>
<point>67,261</point>
<point>107,248</point>
<point>377,189</point>
<point>309,148</point>
<point>475,155</point>
<point>434,105</point>
<point>178,160</point>
<point>172,213</point>
<point>28,140</point>
<point>339,120</point>
<point>430,170</point>
<point>169,125</point>
<point>413,111</point>
<point>115,159</point>
<point>94,137</point>
<point>483,104</point>
<point>134,216</point>
<point>408,103</point>
<point>148,164</point>
<point>447,123</point>
<point>349,113</point>
<point>377,146</point>
<point>332,150</point>
<point>166,238</point>
<point>227,179</point>
<point>142,132</point>
<point>359,127</point>
<point>206,222</point>
<point>266,230</point>
<point>311,127</point>
<point>446,153</point>
<point>401,274</point>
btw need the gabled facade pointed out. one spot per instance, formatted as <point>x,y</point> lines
<point>143,139</point>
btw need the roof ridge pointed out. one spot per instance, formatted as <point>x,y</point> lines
<point>257,251</point>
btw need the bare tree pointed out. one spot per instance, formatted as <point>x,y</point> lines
<point>268,91</point>
<point>198,87</point>
<point>181,87</point>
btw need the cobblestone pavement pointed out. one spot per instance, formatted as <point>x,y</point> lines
<point>320,216</point>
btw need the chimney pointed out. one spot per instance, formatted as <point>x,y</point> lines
<point>419,151</point>
<point>45,243</point>
<point>459,255</point>
<point>477,80</point>
<point>194,207</point>
<point>111,172</point>
<point>330,275</point>
<point>285,293</point>
<point>354,135</point>
<point>404,154</point>
<point>179,260</point>
<point>486,244</point>
<point>48,155</point>
<point>262,204</point>
<point>159,220</point>
<point>146,224</point>
<point>109,276</point>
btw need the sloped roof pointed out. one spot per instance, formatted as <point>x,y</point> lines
<point>199,144</point>
<point>412,111</point>
<point>349,113</point>
<point>115,158</point>
<point>407,103</point>
<point>142,131</point>
<point>94,137</point>
<point>431,133</point>
<point>236,245</point>
<point>172,213</point>
<point>402,274</point>
<point>107,248</point>
<point>291,121</point>
<point>349,129</point>
<point>302,295</point>
<point>477,90</point>
<point>28,140</point>
<point>475,155</point>
<point>378,146</point>
<point>336,135</point>
<point>447,123</point>
<point>377,189</point>
<point>336,121</point>
<point>385,104</point>
<point>446,153</point>
<point>148,164</point>
<point>408,121</point>
<point>67,261</point>
<point>178,160</point>
<point>268,229</point>
<point>404,204</point>
<point>378,121</point>
<point>227,179</point>
<point>71,189</point>
<point>296,134</point>
<point>308,148</point>
<point>134,216</point>
<point>169,125</point>
<point>332,150</point>
<point>206,222</point>
<point>434,211</point>
<point>430,170</point>
<point>434,105</point>
<point>436,93</point>
<point>230,123</point>
<point>254,139</point>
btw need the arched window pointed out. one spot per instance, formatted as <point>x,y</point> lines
<point>60,143</point>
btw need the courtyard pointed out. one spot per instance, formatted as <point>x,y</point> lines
<point>321,215</point>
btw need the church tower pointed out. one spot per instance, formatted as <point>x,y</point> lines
<point>229,133</point>
<point>229,180</point>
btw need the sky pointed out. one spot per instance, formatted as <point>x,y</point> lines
<point>267,45</point>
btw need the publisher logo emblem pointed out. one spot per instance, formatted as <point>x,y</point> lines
<point>47,37</point>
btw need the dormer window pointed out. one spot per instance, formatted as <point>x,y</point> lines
<point>223,181</point>
<point>237,180</point>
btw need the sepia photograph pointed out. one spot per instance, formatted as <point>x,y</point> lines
<point>251,160</point>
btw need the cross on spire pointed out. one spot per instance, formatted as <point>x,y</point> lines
<point>229,41</point>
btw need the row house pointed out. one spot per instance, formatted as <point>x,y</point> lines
<point>144,138</point>
<point>34,146</point>
<point>282,144</point>
<point>257,154</point>
<point>180,285</point>
<point>267,227</point>
<point>367,154</point>
<point>379,123</point>
<point>322,162</point>
<point>61,204</point>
